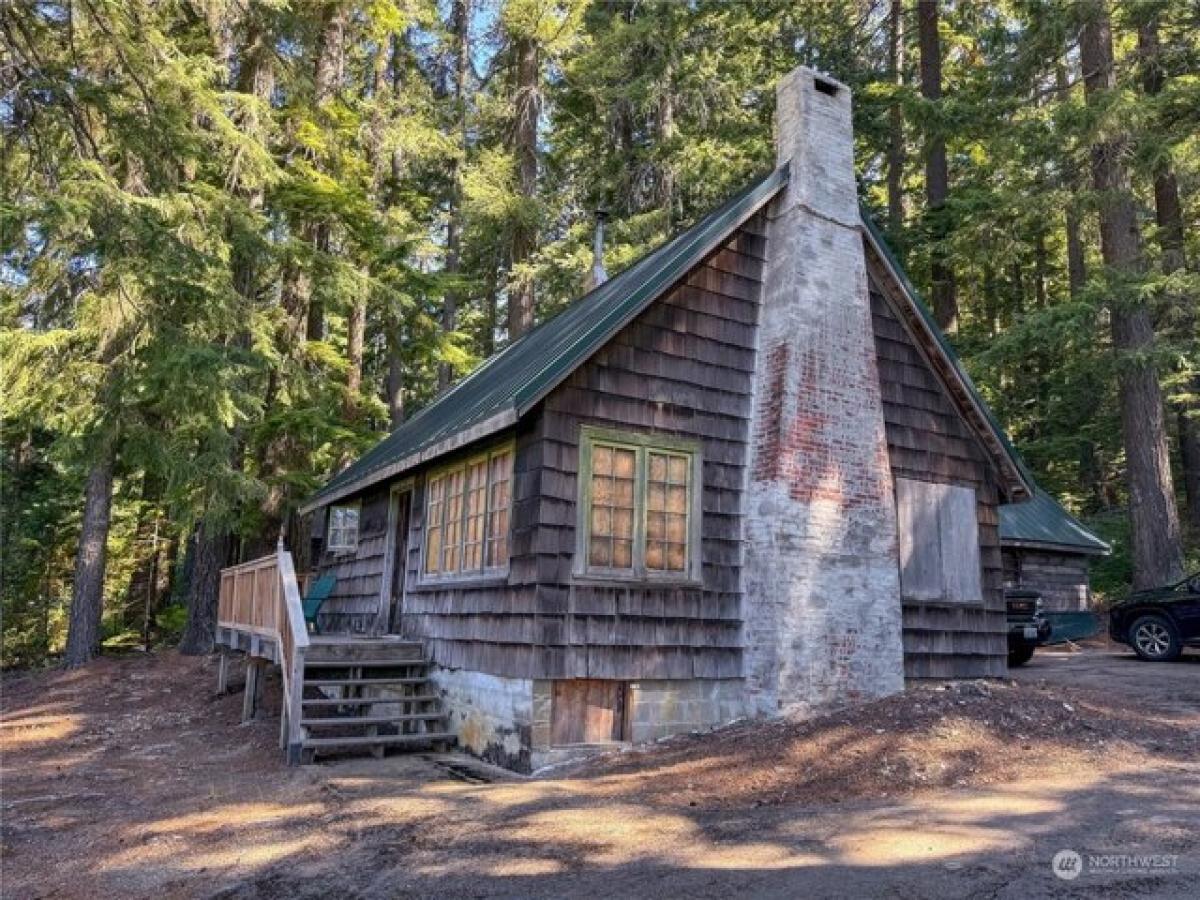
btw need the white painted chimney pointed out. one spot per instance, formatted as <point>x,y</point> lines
<point>821,581</point>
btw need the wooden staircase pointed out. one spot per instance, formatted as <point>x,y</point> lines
<point>368,694</point>
<point>341,692</point>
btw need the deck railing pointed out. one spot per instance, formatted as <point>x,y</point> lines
<point>262,598</point>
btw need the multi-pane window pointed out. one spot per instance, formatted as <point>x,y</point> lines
<point>667,484</point>
<point>610,544</point>
<point>499,489</point>
<point>639,507</point>
<point>467,516</point>
<point>343,528</point>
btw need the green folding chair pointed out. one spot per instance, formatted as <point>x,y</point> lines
<point>317,594</point>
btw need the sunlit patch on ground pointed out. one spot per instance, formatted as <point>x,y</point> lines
<point>137,782</point>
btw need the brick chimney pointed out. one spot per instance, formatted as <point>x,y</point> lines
<point>821,580</point>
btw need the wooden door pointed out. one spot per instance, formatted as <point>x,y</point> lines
<point>398,536</point>
<point>586,711</point>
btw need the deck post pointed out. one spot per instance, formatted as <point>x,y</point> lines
<point>295,711</point>
<point>223,673</point>
<point>250,701</point>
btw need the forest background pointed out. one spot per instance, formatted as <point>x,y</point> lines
<point>239,241</point>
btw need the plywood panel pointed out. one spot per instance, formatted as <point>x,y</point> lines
<point>587,711</point>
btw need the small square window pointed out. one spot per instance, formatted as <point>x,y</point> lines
<point>343,529</point>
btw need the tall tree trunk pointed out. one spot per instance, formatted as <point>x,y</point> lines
<point>491,308</point>
<point>212,552</point>
<point>146,542</point>
<point>395,378</point>
<point>356,327</point>
<point>937,178</point>
<point>1169,218</point>
<point>87,591</point>
<point>665,124</point>
<point>1039,269</point>
<point>1076,261</point>
<point>257,78</point>
<point>460,26</point>
<point>327,76</point>
<point>527,109</point>
<point>895,155</point>
<point>1157,551</point>
<point>394,329</point>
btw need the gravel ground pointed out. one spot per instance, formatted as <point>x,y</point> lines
<point>129,779</point>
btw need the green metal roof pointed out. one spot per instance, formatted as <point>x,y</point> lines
<point>511,382</point>
<point>1042,522</point>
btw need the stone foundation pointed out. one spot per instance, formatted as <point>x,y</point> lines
<point>660,709</point>
<point>492,717</point>
<point>507,721</point>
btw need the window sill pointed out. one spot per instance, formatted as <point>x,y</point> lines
<point>595,579</point>
<point>496,579</point>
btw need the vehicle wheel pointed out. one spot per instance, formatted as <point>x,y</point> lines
<point>1018,656</point>
<point>1154,638</point>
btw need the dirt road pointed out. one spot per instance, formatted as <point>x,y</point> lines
<point>132,780</point>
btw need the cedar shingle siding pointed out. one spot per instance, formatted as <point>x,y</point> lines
<point>684,368</point>
<point>354,603</point>
<point>928,440</point>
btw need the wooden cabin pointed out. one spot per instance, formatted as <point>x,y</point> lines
<point>1046,549</point>
<point>745,476</point>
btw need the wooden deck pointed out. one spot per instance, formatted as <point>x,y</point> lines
<point>340,691</point>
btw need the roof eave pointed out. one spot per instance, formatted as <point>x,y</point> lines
<point>488,427</point>
<point>1076,549</point>
<point>1017,480</point>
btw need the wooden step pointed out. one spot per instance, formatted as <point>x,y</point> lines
<point>363,682</point>
<point>344,648</point>
<point>365,663</point>
<point>360,701</point>
<point>329,721</point>
<point>377,740</point>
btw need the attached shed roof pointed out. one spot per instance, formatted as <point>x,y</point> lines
<point>510,383</point>
<point>1043,523</point>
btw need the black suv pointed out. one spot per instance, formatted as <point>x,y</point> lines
<point>1160,622</point>
<point>1027,627</point>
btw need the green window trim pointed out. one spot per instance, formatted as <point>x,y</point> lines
<point>642,446</point>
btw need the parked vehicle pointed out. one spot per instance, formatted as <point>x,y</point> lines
<point>1158,623</point>
<point>1027,627</point>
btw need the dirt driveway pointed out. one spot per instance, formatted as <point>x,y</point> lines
<point>1173,687</point>
<point>131,780</point>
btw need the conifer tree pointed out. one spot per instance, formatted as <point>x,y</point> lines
<point>1157,553</point>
